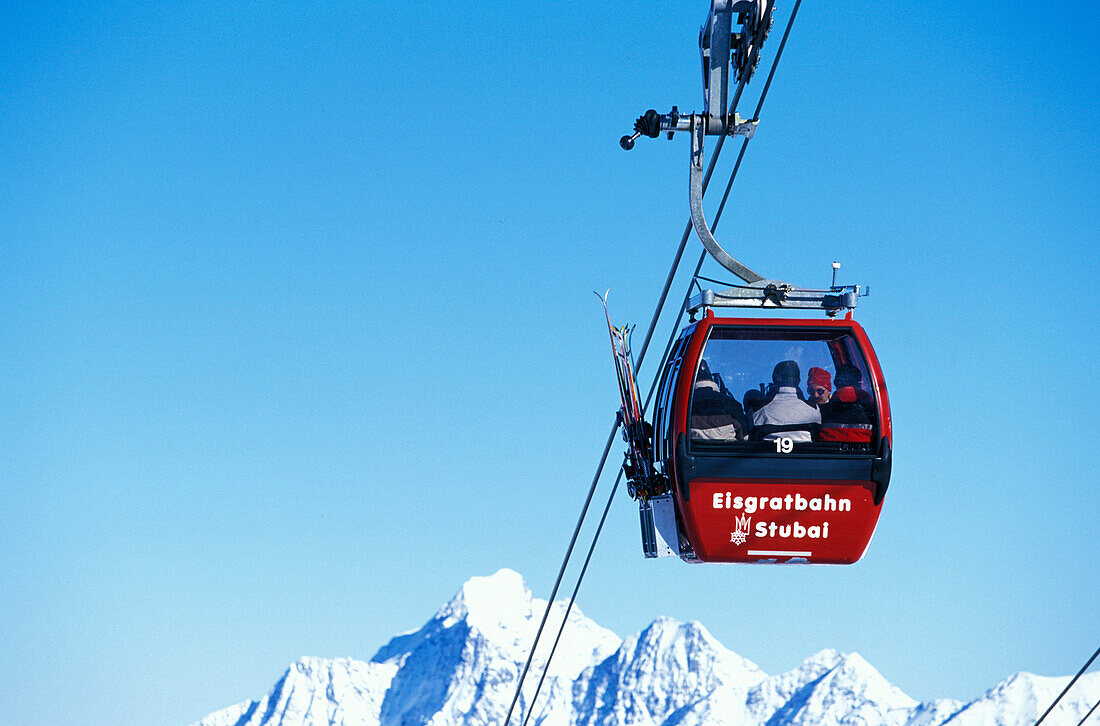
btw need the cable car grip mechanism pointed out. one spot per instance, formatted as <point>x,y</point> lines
<point>723,51</point>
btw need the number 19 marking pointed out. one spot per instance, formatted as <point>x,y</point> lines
<point>784,445</point>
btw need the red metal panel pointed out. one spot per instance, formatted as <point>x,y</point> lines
<point>879,383</point>
<point>682,397</point>
<point>776,520</point>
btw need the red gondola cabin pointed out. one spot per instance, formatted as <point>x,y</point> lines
<point>775,438</point>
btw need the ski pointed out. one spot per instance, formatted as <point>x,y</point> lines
<point>641,477</point>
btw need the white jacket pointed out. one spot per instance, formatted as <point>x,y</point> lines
<point>787,408</point>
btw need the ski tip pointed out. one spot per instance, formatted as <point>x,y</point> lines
<point>603,299</point>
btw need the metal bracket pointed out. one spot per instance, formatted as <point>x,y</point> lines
<point>660,533</point>
<point>720,48</point>
<point>741,127</point>
<point>714,52</point>
<point>778,294</point>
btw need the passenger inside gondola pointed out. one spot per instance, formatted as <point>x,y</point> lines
<point>818,396</point>
<point>786,414</point>
<point>715,414</point>
<point>819,386</point>
<point>754,399</point>
<point>845,417</point>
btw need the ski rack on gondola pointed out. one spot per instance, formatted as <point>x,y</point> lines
<point>642,480</point>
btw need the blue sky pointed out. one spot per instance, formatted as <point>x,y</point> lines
<point>297,332</point>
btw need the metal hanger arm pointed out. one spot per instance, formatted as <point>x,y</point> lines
<point>698,220</point>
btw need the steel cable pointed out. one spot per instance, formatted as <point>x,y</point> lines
<point>1086,717</point>
<point>641,354</point>
<point>615,428</point>
<point>573,598</point>
<point>611,497</point>
<point>1069,686</point>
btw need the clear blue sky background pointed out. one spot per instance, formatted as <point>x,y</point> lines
<point>297,329</point>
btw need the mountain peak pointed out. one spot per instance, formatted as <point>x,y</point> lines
<point>668,634</point>
<point>488,602</point>
<point>854,671</point>
<point>827,658</point>
<point>500,609</point>
<point>670,646</point>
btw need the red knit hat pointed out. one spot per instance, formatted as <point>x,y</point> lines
<point>819,377</point>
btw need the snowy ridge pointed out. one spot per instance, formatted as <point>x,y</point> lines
<point>1031,694</point>
<point>462,666</point>
<point>316,691</point>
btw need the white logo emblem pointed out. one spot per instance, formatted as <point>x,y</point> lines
<point>741,534</point>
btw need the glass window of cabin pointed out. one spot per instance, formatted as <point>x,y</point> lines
<point>662,418</point>
<point>805,389</point>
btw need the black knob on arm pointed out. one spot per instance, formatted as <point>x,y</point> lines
<point>648,124</point>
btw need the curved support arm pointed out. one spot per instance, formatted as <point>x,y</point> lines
<point>698,220</point>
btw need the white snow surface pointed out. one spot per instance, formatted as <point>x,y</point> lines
<point>462,666</point>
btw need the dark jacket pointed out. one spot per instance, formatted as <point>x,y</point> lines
<point>715,416</point>
<point>844,418</point>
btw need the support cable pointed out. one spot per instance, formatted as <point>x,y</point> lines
<point>688,228</point>
<point>1068,686</point>
<point>1086,718</point>
<point>725,196</point>
<point>568,552</point>
<point>592,547</point>
<point>675,328</point>
<point>618,478</point>
<point>664,357</point>
<point>615,428</point>
<point>573,597</point>
<point>637,366</point>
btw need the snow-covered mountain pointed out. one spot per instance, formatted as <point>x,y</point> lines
<point>462,666</point>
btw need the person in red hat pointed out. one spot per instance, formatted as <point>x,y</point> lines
<point>819,386</point>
